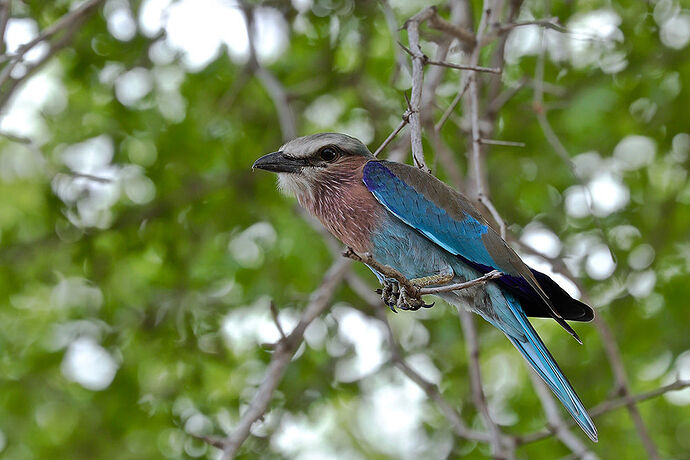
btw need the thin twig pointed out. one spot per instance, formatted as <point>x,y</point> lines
<point>5,13</point>
<point>477,160</point>
<point>412,26</point>
<point>498,103</point>
<point>492,275</point>
<point>451,65</point>
<point>499,142</point>
<point>274,314</point>
<point>412,289</point>
<point>609,406</point>
<point>462,34</point>
<point>451,107</point>
<point>405,120</point>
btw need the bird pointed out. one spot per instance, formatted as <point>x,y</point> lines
<point>407,219</point>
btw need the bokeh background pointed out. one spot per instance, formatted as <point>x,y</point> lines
<point>139,253</point>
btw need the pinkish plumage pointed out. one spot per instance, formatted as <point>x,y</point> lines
<point>341,201</point>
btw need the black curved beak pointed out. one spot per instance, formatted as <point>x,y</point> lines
<point>278,162</point>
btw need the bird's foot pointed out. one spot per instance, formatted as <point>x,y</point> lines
<point>390,293</point>
<point>411,302</point>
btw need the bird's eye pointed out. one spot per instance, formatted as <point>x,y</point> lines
<point>328,154</point>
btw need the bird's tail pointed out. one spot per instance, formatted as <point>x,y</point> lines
<point>536,354</point>
<point>504,311</point>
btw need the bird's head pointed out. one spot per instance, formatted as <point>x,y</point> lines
<point>305,163</point>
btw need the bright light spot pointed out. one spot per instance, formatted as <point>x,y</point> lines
<point>244,328</point>
<point>390,417</point>
<point>168,78</point>
<point>302,5</point>
<point>160,53</point>
<point>195,28</point>
<point>681,397</point>
<point>594,38</point>
<point>89,156</point>
<point>271,32</point>
<point>541,239</point>
<point>624,235</point>
<point>120,21</point>
<point>600,264</point>
<point>20,31</point>
<point>641,257</point>
<point>132,86</point>
<point>681,146</point>
<point>152,16</point>
<point>608,193</point>
<point>577,201</point>
<point>309,438</point>
<point>675,33</point>
<point>77,292</point>
<point>425,367</point>
<point>325,111</point>
<point>316,333</point>
<point>18,161</point>
<point>588,164</point>
<point>171,104</point>
<point>641,284</point>
<point>634,152</point>
<point>89,365</point>
<point>652,305</point>
<point>138,188</point>
<point>43,92</point>
<point>248,247</point>
<point>657,367</point>
<point>361,128</point>
<point>198,425</point>
<point>93,198</point>
<point>643,109</point>
<point>522,41</point>
<point>366,336</point>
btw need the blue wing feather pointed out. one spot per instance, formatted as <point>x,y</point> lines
<point>462,237</point>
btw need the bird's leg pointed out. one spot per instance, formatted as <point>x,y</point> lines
<point>406,301</point>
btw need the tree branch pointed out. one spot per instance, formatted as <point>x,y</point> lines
<point>412,289</point>
<point>69,23</point>
<point>285,348</point>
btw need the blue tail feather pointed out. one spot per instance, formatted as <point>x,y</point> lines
<point>535,352</point>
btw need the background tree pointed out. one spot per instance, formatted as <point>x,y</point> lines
<point>158,298</point>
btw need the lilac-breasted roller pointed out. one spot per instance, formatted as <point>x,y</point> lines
<point>409,220</point>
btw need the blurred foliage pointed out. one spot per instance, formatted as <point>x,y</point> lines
<point>132,311</point>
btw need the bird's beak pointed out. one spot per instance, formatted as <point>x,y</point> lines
<point>278,162</point>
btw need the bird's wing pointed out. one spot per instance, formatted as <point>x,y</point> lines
<point>448,219</point>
